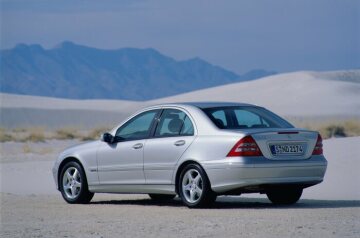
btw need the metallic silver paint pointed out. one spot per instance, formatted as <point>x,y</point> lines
<point>127,167</point>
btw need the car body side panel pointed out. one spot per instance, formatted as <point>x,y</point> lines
<point>134,188</point>
<point>86,154</point>
<point>121,163</point>
<point>161,156</point>
<point>207,148</point>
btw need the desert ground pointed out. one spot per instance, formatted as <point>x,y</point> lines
<point>137,216</point>
<point>31,206</point>
<point>34,130</point>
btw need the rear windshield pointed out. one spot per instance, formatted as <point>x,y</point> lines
<point>245,117</point>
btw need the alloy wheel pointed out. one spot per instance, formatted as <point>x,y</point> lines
<point>71,182</point>
<point>192,185</point>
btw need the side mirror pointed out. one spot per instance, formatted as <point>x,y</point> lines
<point>107,137</point>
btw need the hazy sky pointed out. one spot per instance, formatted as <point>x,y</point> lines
<point>281,35</point>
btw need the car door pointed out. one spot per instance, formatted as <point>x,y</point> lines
<point>121,162</point>
<point>173,135</point>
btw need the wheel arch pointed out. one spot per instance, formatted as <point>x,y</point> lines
<point>181,167</point>
<point>64,162</point>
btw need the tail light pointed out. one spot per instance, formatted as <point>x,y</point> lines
<point>245,147</point>
<point>318,150</point>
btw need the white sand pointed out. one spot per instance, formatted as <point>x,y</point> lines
<point>291,94</point>
<point>298,94</point>
<point>342,179</point>
<point>38,102</point>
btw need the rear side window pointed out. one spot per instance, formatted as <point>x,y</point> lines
<point>245,117</point>
<point>219,118</point>
<point>174,122</point>
<point>187,129</point>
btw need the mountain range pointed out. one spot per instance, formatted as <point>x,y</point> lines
<point>79,72</point>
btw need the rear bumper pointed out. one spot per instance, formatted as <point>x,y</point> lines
<point>256,172</point>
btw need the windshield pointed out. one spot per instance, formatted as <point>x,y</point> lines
<point>245,117</point>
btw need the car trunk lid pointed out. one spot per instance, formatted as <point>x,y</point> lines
<point>286,144</point>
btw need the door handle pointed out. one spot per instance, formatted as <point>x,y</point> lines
<point>179,143</point>
<point>138,146</point>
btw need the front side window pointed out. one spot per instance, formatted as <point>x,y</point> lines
<point>138,127</point>
<point>174,122</point>
<point>245,117</point>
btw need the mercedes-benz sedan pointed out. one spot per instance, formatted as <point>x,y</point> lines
<point>196,151</point>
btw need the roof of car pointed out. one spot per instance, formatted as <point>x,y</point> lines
<point>207,104</point>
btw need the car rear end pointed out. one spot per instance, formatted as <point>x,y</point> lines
<point>265,153</point>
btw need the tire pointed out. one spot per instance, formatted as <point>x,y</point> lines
<point>161,197</point>
<point>73,184</point>
<point>284,196</point>
<point>194,187</point>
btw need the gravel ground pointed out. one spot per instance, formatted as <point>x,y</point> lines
<point>137,216</point>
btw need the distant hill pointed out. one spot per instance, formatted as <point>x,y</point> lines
<point>79,72</point>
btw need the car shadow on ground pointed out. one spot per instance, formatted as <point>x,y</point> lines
<point>239,202</point>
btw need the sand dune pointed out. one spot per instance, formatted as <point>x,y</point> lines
<point>298,94</point>
<point>291,94</point>
<point>38,102</point>
<point>27,111</point>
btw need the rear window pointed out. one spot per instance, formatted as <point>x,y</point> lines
<point>245,117</point>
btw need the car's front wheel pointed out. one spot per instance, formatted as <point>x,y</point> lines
<point>73,184</point>
<point>194,187</point>
<point>284,196</point>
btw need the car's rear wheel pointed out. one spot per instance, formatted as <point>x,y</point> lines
<point>161,197</point>
<point>194,187</point>
<point>284,196</point>
<point>73,184</point>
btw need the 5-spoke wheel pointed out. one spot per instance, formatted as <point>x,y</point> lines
<point>194,187</point>
<point>73,184</point>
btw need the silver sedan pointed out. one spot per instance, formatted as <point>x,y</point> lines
<point>196,151</point>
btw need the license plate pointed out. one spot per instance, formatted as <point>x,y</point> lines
<point>287,149</point>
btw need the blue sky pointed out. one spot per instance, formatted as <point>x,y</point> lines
<point>240,35</point>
